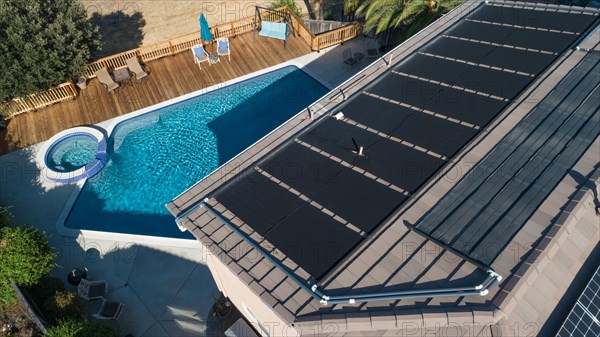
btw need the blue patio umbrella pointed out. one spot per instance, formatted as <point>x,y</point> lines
<point>205,33</point>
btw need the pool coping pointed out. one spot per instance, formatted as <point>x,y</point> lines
<point>88,170</point>
<point>111,124</point>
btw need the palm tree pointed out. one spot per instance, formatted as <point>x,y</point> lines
<point>384,14</point>
<point>350,8</point>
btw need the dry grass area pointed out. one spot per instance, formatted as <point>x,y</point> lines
<point>127,24</point>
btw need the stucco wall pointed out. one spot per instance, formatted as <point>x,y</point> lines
<point>241,295</point>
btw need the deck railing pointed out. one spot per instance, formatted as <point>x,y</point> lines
<point>31,102</point>
<point>327,39</point>
<point>174,46</point>
<point>336,36</point>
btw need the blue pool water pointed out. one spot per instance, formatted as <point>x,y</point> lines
<point>72,153</point>
<point>156,156</point>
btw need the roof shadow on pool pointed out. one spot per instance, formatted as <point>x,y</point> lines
<point>93,214</point>
<point>264,111</point>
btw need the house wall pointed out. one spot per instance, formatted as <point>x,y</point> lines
<point>240,294</point>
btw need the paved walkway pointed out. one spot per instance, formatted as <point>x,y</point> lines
<point>167,289</point>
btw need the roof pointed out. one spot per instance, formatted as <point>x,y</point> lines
<point>368,210</point>
<point>481,215</point>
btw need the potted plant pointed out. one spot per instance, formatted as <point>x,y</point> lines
<point>222,307</point>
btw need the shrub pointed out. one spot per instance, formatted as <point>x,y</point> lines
<point>72,328</point>
<point>25,255</point>
<point>290,3</point>
<point>7,293</point>
<point>43,43</point>
<point>64,304</point>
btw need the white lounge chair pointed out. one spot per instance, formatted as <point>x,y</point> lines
<point>92,290</point>
<point>200,55</point>
<point>110,310</point>
<point>223,47</point>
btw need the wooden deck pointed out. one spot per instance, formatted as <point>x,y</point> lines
<point>170,77</point>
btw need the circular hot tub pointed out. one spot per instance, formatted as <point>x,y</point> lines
<point>73,154</point>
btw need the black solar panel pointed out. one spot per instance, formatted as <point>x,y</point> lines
<point>502,57</point>
<point>535,39</point>
<point>430,132</point>
<point>523,38</point>
<point>258,201</point>
<point>534,18</point>
<point>361,200</point>
<point>459,49</point>
<point>313,239</point>
<point>493,82</point>
<point>584,318</point>
<point>302,168</point>
<point>520,60</point>
<point>433,68</point>
<point>398,164</point>
<point>482,214</point>
<point>458,104</point>
<point>358,199</point>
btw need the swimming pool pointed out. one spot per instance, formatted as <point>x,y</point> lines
<point>155,156</point>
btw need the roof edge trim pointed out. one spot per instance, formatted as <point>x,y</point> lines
<point>481,289</point>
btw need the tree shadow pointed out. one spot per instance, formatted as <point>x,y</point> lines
<point>261,110</point>
<point>309,7</point>
<point>119,32</point>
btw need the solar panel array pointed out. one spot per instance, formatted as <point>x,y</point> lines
<point>481,215</point>
<point>584,318</point>
<point>316,198</point>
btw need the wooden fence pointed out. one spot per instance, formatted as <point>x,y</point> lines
<point>174,46</point>
<point>336,36</point>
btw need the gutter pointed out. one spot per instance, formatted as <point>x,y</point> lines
<point>585,38</point>
<point>481,289</point>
